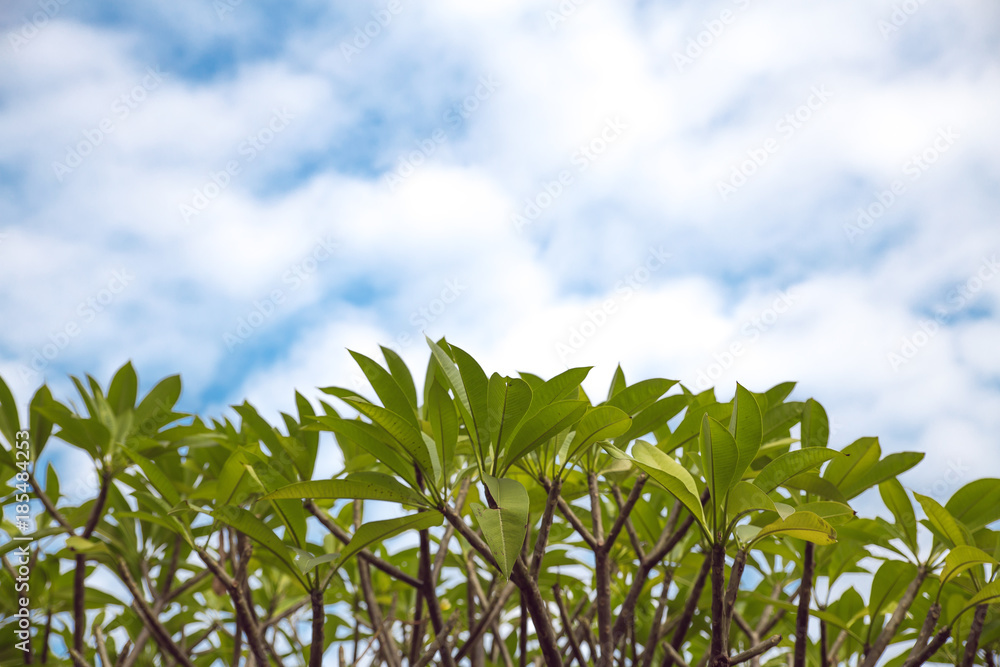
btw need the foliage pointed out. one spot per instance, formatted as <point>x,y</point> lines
<point>531,523</point>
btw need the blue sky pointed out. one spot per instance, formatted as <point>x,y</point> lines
<point>723,191</point>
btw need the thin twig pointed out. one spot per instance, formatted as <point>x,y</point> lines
<point>756,650</point>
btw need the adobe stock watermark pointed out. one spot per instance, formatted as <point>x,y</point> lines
<point>955,473</point>
<point>750,331</point>
<point>121,108</point>
<point>562,13</point>
<point>595,318</point>
<point>900,16</point>
<point>292,279</point>
<point>957,298</point>
<point>585,155</point>
<point>430,312</point>
<point>696,46</point>
<point>786,127</point>
<point>914,168</point>
<point>87,311</point>
<point>248,150</point>
<point>34,24</point>
<point>363,35</point>
<point>455,116</point>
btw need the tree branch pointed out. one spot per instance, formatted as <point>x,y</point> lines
<point>755,651</point>
<point>805,594</point>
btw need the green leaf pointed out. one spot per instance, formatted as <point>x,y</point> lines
<point>653,418</point>
<point>468,383</point>
<point>504,527</point>
<point>405,436</point>
<point>369,437</point>
<point>388,390</point>
<point>641,395</point>
<point>889,582</point>
<point>378,531</point>
<point>989,594</point>
<point>942,521</point>
<point>444,424</point>
<point>790,464</point>
<point>816,485</point>
<point>747,427</point>
<point>780,418</point>
<point>601,423</point>
<point>86,546</point>
<point>508,402</point>
<point>245,522</point>
<point>402,375</point>
<point>10,422</point>
<point>157,408</point>
<point>617,382</point>
<point>888,468</point>
<point>669,474</point>
<point>719,457</point>
<point>895,498</point>
<point>826,509</point>
<point>123,389</point>
<point>372,486</point>
<point>858,457</point>
<point>815,425</point>
<point>539,428</point>
<point>561,387</point>
<point>801,525</point>
<point>961,558</point>
<point>745,498</point>
<point>41,428</point>
<point>977,504</point>
<point>156,477</point>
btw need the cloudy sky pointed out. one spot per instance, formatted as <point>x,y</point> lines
<point>709,192</point>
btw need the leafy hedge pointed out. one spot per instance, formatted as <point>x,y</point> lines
<point>654,527</point>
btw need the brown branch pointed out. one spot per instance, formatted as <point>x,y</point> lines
<point>625,510</point>
<point>102,649</point>
<point>490,614</point>
<point>364,554</point>
<point>602,573</point>
<point>244,614</point>
<point>568,628</point>
<point>755,651</point>
<point>49,505</point>
<point>441,643</point>
<point>689,609</point>
<point>928,651</point>
<point>649,649</point>
<point>430,595</point>
<point>671,535</point>
<point>149,618</point>
<point>629,528</point>
<point>889,631</point>
<point>542,539</point>
<point>80,575</point>
<point>933,614</point>
<point>972,643</point>
<point>805,594</point>
<point>317,642</point>
<point>720,638</point>
<point>574,520</point>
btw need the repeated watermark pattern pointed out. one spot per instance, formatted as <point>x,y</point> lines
<point>900,16</point>
<point>428,313</point>
<point>913,168</point>
<point>786,126</point>
<point>584,156</point>
<point>248,150</point>
<point>32,25</point>
<point>957,298</point>
<point>594,319</point>
<point>698,45</point>
<point>87,311</point>
<point>454,117</point>
<point>751,330</point>
<point>264,308</point>
<point>364,34</point>
<point>121,108</point>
